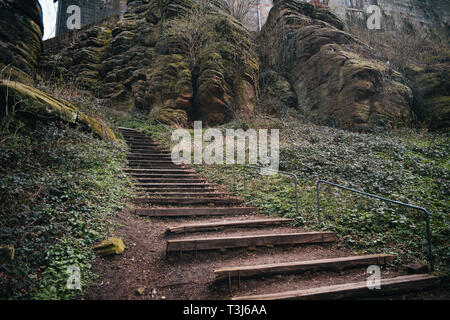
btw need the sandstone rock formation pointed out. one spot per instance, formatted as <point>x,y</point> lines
<point>176,60</point>
<point>331,72</point>
<point>431,90</point>
<point>21,31</point>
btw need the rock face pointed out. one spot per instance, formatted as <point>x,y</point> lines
<point>20,38</point>
<point>176,60</point>
<point>330,71</point>
<point>431,90</point>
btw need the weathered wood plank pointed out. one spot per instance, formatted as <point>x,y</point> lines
<point>301,266</point>
<point>188,212</point>
<point>169,180</point>
<point>249,241</point>
<point>181,200</point>
<point>353,290</point>
<point>221,225</point>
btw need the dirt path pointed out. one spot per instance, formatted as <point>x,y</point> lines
<point>144,271</point>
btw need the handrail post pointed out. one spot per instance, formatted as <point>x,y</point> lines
<point>234,178</point>
<point>430,247</point>
<point>245,182</point>
<point>318,202</point>
<point>296,192</point>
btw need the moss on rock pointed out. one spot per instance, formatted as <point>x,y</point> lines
<point>26,99</point>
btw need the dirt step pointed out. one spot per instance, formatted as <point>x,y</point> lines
<point>353,290</point>
<point>301,266</point>
<point>192,212</point>
<point>185,201</point>
<point>221,225</point>
<point>249,241</point>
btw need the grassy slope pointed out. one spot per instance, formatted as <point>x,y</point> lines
<point>407,165</point>
<point>58,190</point>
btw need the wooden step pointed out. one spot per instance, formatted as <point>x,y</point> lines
<point>155,153</point>
<point>192,212</point>
<point>222,225</point>
<point>168,161</point>
<point>142,145</point>
<point>123,129</point>
<point>172,171</point>
<point>249,241</point>
<point>168,190</point>
<point>169,180</point>
<point>175,185</point>
<point>148,150</point>
<point>302,266</point>
<point>153,166</point>
<point>158,157</point>
<point>185,201</point>
<point>353,290</point>
<point>188,195</point>
<point>164,175</point>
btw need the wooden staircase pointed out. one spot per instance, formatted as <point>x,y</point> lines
<point>168,190</point>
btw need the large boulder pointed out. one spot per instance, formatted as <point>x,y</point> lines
<point>21,32</point>
<point>331,72</point>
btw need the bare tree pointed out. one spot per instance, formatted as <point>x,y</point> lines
<point>241,9</point>
<point>191,32</point>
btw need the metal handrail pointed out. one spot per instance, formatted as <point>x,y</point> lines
<point>296,183</point>
<point>427,213</point>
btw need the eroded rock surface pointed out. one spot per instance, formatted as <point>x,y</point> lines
<point>21,32</point>
<point>330,71</point>
<point>176,60</point>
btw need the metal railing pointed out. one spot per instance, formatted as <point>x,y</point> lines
<point>293,175</point>
<point>427,213</point>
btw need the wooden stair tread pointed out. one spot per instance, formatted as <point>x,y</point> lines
<point>300,266</point>
<point>194,244</point>
<point>355,289</point>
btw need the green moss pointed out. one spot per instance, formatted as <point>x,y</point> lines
<point>33,101</point>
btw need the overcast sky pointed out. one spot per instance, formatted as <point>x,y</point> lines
<point>49,11</point>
